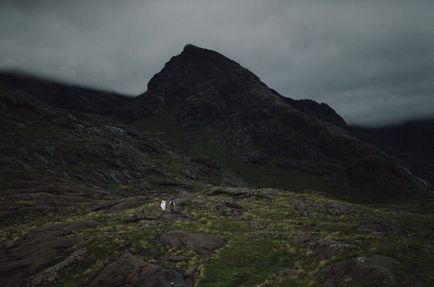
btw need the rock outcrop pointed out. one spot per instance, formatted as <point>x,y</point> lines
<point>324,248</point>
<point>375,269</point>
<point>42,253</point>
<point>130,270</point>
<point>201,243</point>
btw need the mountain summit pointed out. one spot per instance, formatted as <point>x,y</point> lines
<point>202,90</point>
<point>193,67</point>
<point>208,86</point>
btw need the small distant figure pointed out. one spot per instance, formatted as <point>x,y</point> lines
<point>163,204</point>
<point>172,206</point>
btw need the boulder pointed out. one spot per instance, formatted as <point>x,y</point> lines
<point>303,208</point>
<point>306,208</point>
<point>51,273</point>
<point>125,271</point>
<point>323,248</point>
<point>129,270</point>
<point>228,208</point>
<point>201,243</point>
<point>145,213</point>
<point>338,208</point>
<point>41,250</point>
<point>382,229</point>
<point>127,204</point>
<point>376,269</point>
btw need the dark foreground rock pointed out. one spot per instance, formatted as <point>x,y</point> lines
<point>324,248</point>
<point>53,272</point>
<point>307,208</point>
<point>228,208</point>
<point>130,270</point>
<point>201,243</point>
<point>376,269</point>
<point>38,256</point>
<point>382,229</point>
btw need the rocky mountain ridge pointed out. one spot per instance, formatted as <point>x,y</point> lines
<point>204,89</point>
<point>83,172</point>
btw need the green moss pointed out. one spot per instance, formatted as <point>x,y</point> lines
<point>260,242</point>
<point>230,154</point>
<point>245,262</point>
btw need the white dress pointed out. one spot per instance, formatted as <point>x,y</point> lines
<point>163,205</point>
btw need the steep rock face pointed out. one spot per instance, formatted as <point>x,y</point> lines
<point>206,85</point>
<point>51,157</point>
<point>206,89</point>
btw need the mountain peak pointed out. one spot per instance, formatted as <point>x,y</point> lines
<point>196,56</point>
<point>191,51</point>
<point>194,66</point>
<point>191,47</point>
<point>205,83</point>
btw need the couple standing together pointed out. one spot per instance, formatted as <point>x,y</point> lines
<point>163,205</point>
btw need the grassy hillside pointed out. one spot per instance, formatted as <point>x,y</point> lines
<point>80,196</point>
<point>269,237</point>
<point>225,150</point>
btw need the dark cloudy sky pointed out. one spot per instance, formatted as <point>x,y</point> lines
<point>371,60</point>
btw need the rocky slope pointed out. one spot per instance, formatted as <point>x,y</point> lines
<point>220,236</point>
<point>52,156</point>
<point>82,173</point>
<point>202,90</point>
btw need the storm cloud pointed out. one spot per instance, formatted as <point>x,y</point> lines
<point>370,60</point>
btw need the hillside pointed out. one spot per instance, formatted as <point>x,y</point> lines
<point>412,141</point>
<point>202,94</point>
<point>259,181</point>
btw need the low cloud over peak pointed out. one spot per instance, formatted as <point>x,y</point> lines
<point>370,60</point>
